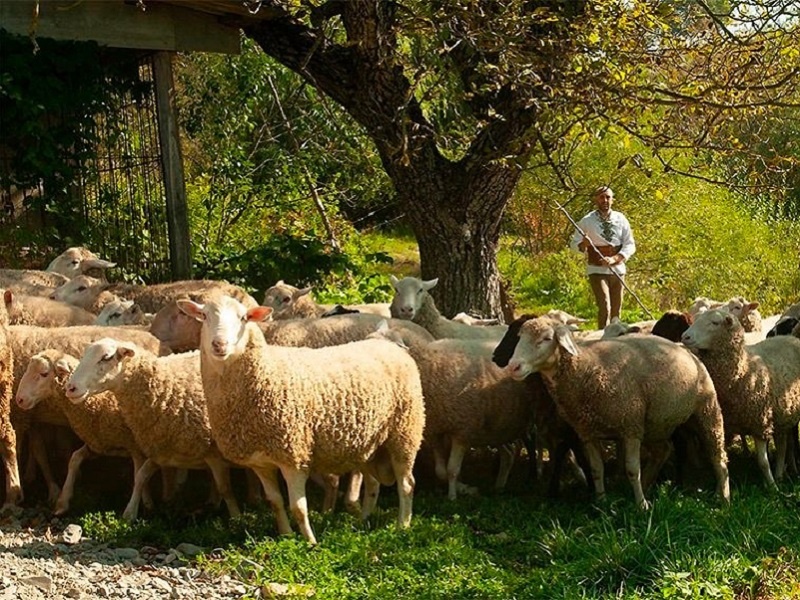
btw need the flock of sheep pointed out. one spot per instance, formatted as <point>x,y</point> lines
<point>199,375</point>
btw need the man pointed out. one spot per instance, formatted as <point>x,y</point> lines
<point>610,233</point>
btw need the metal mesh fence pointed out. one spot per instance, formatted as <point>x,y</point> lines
<point>120,191</point>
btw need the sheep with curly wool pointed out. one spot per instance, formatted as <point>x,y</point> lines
<point>636,389</point>
<point>412,301</point>
<point>98,421</point>
<point>758,385</point>
<point>354,407</point>
<point>93,294</point>
<point>8,434</point>
<point>182,333</point>
<point>469,402</point>
<point>162,402</point>
<point>43,312</point>
<point>28,340</point>
<point>289,302</point>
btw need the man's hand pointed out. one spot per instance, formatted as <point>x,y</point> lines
<point>613,260</point>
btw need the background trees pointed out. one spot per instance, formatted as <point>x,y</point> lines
<point>460,97</point>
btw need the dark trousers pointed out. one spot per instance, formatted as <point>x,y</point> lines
<point>607,291</point>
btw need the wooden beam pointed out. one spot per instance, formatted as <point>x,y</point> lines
<point>180,254</point>
<point>121,24</point>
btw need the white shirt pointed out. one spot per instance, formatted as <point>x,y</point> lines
<point>616,231</point>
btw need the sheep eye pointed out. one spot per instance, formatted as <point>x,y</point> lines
<point>107,358</point>
<point>286,300</point>
<point>76,262</point>
<point>82,288</point>
<point>116,315</point>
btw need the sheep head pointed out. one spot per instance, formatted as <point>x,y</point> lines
<point>47,372</point>
<point>708,328</point>
<point>541,342</point>
<point>282,296</point>
<point>101,364</point>
<point>409,294</point>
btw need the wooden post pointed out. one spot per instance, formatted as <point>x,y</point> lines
<point>180,255</point>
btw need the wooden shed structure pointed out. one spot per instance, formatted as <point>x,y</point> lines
<point>160,28</point>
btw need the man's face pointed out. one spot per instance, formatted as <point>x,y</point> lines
<point>603,200</point>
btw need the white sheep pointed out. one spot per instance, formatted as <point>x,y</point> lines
<point>289,302</point>
<point>28,340</point>
<point>98,421</point>
<point>93,294</point>
<point>469,402</point>
<point>355,407</point>
<point>8,434</point>
<point>412,301</point>
<point>743,310</point>
<point>182,333</point>
<point>43,312</point>
<point>758,385</point>
<point>78,261</point>
<point>122,312</point>
<point>31,282</point>
<point>163,404</point>
<point>636,389</point>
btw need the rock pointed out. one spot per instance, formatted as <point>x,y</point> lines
<point>72,534</point>
<point>42,582</point>
<point>126,553</point>
<point>189,550</point>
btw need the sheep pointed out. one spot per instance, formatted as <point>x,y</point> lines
<point>98,421</point>
<point>358,406</point>
<point>784,326</point>
<point>93,294</point>
<point>30,282</point>
<point>123,312</point>
<point>163,404</point>
<point>8,435</point>
<point>758,385</point>
<point>182,333</point>
<point>469,402</point>
<point>43,312</point>
<point>79,261</point>
<point>468,319</point>
<point>413,302</point>
<point>289,302</point>
<point>635,388</point>
<point>28,340</point>
<point>617,328</point>
<point>743,310</point>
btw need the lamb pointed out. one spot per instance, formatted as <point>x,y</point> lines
<point>413,302</point>
<point>43,312</point>
<point>98,421</point>
<point>758,385</point>
<point>289,302</point>
<point>607,390</point>
<point>182,333</point>
<point>28,340</point>
<point>93,294</point>
<point>122,312</point>
<point>163,404</point>
<point>469,402</point>
<point>79,261</point>
<point>8,435</point>
<point>333,410</point>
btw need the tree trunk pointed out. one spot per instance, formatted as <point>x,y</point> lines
<point>456,217</point>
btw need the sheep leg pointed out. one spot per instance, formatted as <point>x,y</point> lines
<point>138,460</point>
<point>220,471</point>
<point>143,475</point>
<point>352,503</point>
<point>372,488</point>
<point>39,452</point>
<point>75,461</point>
<point>298,503</point>
<point>780,453</point>
<point>330,486</point>
<point>403,467</point>
<point>763,460</point>
<point>457,452</point>
<point>595,456</point>
<point>659,453</point>
<point>13,485</point>
<point>439,461</point>
<point>269,481</point>
<point>508,453</point>
<point>633,469</point>
<point>254,495</point>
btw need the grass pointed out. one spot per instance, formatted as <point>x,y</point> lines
<point>515,544</point>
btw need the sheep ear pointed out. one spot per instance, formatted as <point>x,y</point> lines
<point>635,329</point>
<point>96,263</point>
<point>564,339</point>
<point>259,313</point>
<point>302,292</point>
<point>280,282</point>
<point>8,297</point>
<point>192,309</point>
<point>125,350</point>
<point>577,321</point>
<point>394,280</point>
<point>63,370</point>
<point>751,306</point>
<point>430,284</point>
<point>383,326</point>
